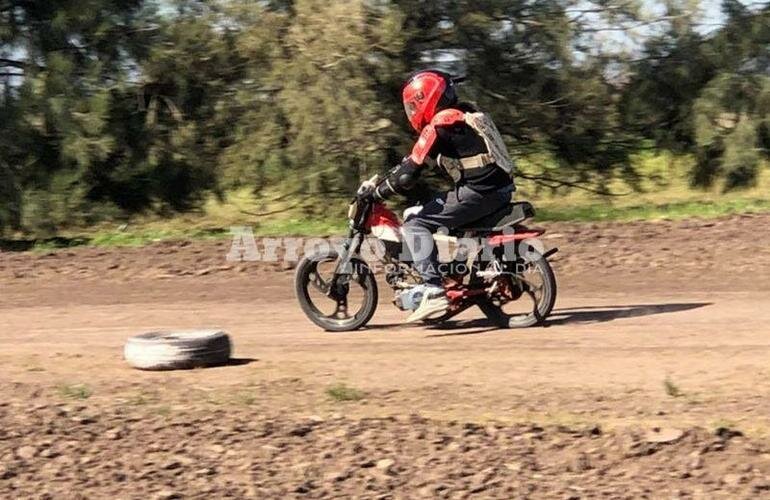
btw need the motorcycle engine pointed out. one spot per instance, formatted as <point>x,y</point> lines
<point>409,299</point>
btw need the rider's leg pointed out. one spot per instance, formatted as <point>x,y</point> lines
<point>459,207</point>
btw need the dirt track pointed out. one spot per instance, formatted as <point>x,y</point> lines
<point>687,302</point>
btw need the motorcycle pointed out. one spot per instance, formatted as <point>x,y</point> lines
<point>508,267</point>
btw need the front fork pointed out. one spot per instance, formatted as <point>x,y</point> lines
<point>339,286</point>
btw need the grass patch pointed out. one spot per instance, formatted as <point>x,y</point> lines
<point>139,238</point>
<point>672,211</point>
<point>74,391</point>
<point>341,392</point>
<point>302,227</point>
<point>163,410</point>
<point>724,424</point>
<point>662,192</point>
<point>547,211</point>
<point>671,388</point>
<point>131,238</point>
<point>245,398</point>
<point>142,398</point>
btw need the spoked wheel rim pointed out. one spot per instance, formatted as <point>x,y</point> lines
<point>526,298</point>
<point>337,306</point>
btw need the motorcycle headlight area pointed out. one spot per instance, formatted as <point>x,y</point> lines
<point>353,210</point>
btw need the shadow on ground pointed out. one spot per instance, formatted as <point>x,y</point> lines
<point>235,362</point>
<point>24,245</point>
<point>601,314</point>
<point>574,315</point>
<point>241,361</point>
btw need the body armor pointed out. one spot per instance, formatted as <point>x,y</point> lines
<point>483,125</point>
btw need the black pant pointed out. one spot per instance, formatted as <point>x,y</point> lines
<point>452,210</point>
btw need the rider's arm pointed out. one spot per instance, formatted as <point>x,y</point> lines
<point>400,180</point>
<point>405,176</point>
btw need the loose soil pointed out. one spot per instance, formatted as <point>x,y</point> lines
<point>658,326</point>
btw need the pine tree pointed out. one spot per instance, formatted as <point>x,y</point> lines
<point>337,55</point>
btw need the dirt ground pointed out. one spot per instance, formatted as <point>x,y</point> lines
<point>657,326</point>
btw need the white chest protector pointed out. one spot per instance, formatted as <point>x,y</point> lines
<point>496,153</point>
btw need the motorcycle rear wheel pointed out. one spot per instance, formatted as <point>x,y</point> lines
<point>309,277</point>
<point>544,302</point>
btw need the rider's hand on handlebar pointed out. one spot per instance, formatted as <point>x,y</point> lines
<point>366,188</point>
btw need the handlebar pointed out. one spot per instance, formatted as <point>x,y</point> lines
<point>374,182</point>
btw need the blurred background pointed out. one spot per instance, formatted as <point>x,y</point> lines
<point>182,117</point>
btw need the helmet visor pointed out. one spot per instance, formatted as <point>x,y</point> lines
<point>410,107</point>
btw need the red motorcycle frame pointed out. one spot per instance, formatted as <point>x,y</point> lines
<point>489,279</point>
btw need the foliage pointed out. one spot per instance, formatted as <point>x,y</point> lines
<point>708,95</point>
<point>112,109</point>
<point>74,391</point>
<point>342,393</point>
<point>732,116</point>
<point>671,388</point>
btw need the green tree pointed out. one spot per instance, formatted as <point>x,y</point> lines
<point>256,158</point>
<point>527,64</point>
<point>337,54</point>
<point>732,112</point>
<point>119,106</point>
<point>170,122</point>
<point>310,106</point>
<point>732,117</point>
<point>706,94</point>
<point>66,58</point>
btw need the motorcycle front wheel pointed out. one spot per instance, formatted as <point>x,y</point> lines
<point>348,306</point>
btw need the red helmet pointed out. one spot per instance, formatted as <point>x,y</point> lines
<point>426,93</point>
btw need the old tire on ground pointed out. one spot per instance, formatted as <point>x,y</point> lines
<point>178,350</point>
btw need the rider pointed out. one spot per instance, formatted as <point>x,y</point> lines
<point>467,145</point>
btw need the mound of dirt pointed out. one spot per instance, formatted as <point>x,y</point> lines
<point>55,451</point>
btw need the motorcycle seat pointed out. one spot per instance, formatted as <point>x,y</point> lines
<point>509,215</point>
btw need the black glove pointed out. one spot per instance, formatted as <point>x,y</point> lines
<point>399,181</point>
